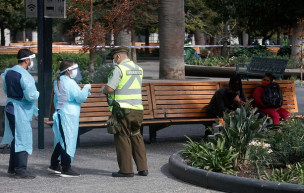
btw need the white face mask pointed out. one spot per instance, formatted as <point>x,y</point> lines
<point>32,58</point>
<point>114,62</point>
<point>31,66</point>
<point>74,73</point>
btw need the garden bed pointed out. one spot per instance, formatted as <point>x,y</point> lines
<point>250,148</point>
<point>223,182</point>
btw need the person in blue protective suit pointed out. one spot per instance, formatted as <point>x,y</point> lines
<point>19,86</point>
<point>68,97</point>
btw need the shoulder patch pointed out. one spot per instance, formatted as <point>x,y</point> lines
<point>111,75</point>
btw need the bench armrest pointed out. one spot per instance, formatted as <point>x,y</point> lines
<point>241,64</point>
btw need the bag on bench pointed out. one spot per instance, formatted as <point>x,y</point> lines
<point>273,96</point>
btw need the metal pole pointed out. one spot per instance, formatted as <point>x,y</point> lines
<point>40,74</point>
<point>47,67</point>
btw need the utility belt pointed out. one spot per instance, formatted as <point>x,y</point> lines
<point>119,112</point>
<point>113,124</point>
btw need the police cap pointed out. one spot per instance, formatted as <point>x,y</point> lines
<point>119,50</point>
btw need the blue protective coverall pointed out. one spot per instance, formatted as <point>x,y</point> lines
<point>69,114</point>
<point>23,111</point>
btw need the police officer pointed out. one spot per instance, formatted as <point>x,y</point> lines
<point>19,86</point>
<point>285,41</point>
<point>188,41</point>
<point>124,86</point>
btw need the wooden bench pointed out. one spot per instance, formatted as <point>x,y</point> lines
<point>259,66</point>
<point>164,104</point>
<point>95,111</point>
<point>181,103</point>
<point>287,87</point>
<point>169,103</point>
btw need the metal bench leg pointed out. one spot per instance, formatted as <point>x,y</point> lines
<point>152,134</point>
<point>142,130</point>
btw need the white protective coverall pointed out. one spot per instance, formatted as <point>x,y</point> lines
<point>69,112</point>
<point>23,111</point>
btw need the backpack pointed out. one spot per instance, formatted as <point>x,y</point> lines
<point>273,96</point>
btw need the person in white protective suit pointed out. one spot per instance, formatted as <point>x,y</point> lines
<point>19,86</point>
<point>68,97</point>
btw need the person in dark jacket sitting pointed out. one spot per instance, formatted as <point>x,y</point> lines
<point>223,101</point>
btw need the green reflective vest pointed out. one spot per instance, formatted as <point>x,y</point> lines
<point>284,42</point>
<point>128,92</point>
<point>188,44</point>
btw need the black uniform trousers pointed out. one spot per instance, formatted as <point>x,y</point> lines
<point>18,160</point>
<point>59,151</point>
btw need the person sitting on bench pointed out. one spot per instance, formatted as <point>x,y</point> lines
<point>258,94</point>
<point>241,97</point>
<point>223,100</point>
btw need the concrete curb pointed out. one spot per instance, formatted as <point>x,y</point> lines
<point>223,182</point>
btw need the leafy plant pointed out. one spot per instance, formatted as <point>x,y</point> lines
<point>7,61</point>
<point>281,175</point>
<point>81,59</point>
<point>258,50</point>
<point>284,51</point>
<point>102,72</point>
<point>291,174</point>
<point>287,141</point>
<point>239,128</point>
<point>210,156</point>
<point>260,154</point>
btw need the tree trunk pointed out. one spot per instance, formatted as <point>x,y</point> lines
<point>245,38</point>
<point>147,43</point>
<point>133,50</point>
<point>91,63</point>
<point>123,38</point>
<point>92,51</point>
<point>212,40</point>
<point>15,32</point>
<point>296,39</point>
<point>199,37</point>
<point>171,39</point>
<point>225,42</point>
<point>2,36</point>
<point>278,36</point>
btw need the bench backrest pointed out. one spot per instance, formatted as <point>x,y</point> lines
<point>272,65</point>
<point>182,99</point>
<point>95,108</point>
<point>287,87</point>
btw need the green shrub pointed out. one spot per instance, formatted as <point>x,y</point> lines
<point>7,61</point>
<point>102,72</point>
<point>287,141</point>
<point>210,61</point>
<point>238,129</point>
<point>284,51</point>
<point>258,50</point>
<point>291,174</point>
<point>81,59</point>
<point>293,62</point>
<point>210,156</point>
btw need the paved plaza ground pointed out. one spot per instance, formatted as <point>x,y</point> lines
<point>95,160</point>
